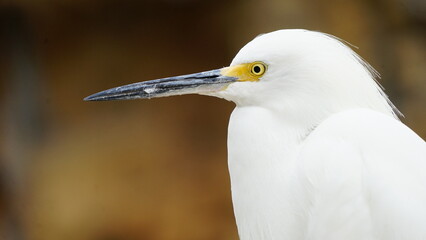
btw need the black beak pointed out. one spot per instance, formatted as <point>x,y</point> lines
<point>199,83</point>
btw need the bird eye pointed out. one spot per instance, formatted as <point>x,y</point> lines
<point>258,69</point>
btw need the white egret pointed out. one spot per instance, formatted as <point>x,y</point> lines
<point>315,148</point>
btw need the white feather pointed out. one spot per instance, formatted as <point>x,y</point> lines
<point>316,150</point>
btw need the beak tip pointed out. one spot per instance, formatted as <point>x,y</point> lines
<point>93,98</point>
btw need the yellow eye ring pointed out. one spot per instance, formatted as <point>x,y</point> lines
<point>258,69</point>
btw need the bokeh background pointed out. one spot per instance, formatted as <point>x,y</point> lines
<point>154,169</point>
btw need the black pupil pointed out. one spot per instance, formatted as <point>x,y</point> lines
<point>256,69</point>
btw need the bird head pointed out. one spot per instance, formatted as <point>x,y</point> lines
<point>294,72</point>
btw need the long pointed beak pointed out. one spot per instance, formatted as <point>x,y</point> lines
<point>200,83</point>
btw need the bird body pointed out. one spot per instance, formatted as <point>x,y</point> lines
<point>315,148</point>
<point>347,179</point>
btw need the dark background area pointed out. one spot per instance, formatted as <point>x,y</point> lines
<point>154,169</point>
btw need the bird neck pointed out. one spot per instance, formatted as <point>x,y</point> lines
<point>261,152</point>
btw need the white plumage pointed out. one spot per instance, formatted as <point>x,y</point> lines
<point>317,153</point>
<point>315,148</point>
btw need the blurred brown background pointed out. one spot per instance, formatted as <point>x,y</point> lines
<point>154,169</point>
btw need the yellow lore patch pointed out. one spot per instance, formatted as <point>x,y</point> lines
<point>247,72</point>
